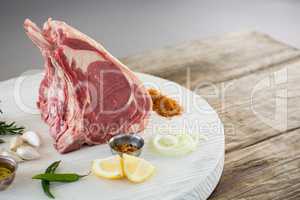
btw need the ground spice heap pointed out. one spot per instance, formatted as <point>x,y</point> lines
<point>163,105</point>
<point>126,148</point>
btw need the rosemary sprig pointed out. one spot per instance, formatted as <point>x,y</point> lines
<point>10,128</point>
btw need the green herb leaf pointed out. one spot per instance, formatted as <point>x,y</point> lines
<point>10,128</point>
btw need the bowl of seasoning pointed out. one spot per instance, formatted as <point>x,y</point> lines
<point>126,143</point>
<point>8,168</point>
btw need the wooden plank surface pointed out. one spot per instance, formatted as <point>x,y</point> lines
<point>267,170</point>
<point>252,116</point>
<point>253,81</point>
<point>213,60</point>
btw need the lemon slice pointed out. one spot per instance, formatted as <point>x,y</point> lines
<point>136,169</point>
<point>110,168</point>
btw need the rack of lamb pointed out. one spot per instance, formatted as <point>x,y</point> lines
<point>87,95</point>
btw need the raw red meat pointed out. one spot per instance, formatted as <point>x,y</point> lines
<point>87,95</point>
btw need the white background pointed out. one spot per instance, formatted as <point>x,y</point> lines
<point>127,27</point>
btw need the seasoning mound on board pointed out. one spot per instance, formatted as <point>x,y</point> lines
<point>164,105</point>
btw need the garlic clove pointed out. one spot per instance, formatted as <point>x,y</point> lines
<point>15,143</point>
<point>27,152</point>
<point>12,155</point>
<point>32,138</point>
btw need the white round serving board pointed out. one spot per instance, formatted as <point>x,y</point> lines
<point>191,177</point>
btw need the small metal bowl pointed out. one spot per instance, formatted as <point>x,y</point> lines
<point>12,165</point>
<point>134,140</point>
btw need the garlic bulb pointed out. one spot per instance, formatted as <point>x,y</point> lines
<point>32,138</point>
<point>11,154</point>
<point>27,152</point>
<point>15,143</point>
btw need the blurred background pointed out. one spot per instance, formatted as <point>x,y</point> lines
<point>127,27</point>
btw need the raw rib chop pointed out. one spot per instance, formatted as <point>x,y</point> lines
<point>87,95</point>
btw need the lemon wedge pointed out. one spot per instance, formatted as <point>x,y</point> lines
<point>110,168</point>
<point>136,169</point>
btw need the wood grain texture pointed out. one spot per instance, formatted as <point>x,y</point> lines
<point>213,60</point>
<point>267,170</point>
<point>252,116</point>
<point>253,81</point>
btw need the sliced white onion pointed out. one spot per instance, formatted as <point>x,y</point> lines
<point>165,142</point>
<point>175,145</point>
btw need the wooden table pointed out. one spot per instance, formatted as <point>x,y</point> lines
<point>253,81</point>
